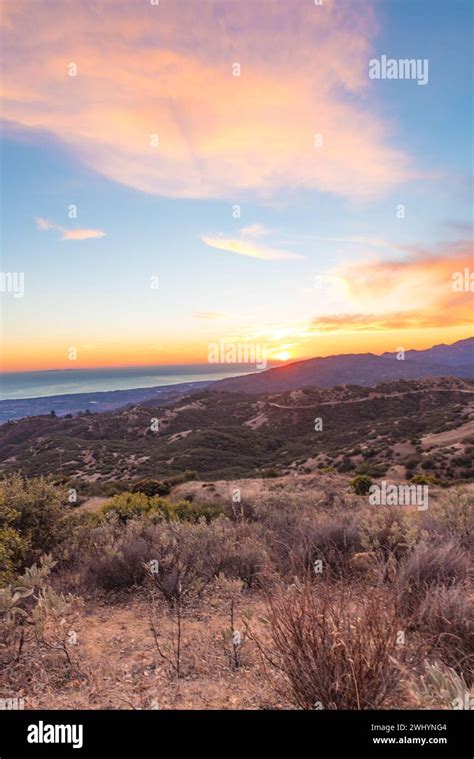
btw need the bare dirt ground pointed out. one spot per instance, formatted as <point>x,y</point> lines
<point>117,665</point>
<point>92,504</point>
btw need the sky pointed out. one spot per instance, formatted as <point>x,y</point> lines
<point>199,172</point>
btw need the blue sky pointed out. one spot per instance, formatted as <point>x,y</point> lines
<point>94,293</point>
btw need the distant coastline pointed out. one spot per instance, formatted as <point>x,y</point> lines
<point>28,394</point>
<point>58,382</point>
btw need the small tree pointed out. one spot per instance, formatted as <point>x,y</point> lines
<point>361,484</point>
<point>151,487</point>
<point>38,510</point>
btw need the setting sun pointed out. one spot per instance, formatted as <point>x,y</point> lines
<point>283,356</point>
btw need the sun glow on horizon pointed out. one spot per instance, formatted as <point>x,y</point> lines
<point>283,356</point>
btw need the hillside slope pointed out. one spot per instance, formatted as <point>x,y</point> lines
<point>397,426</point>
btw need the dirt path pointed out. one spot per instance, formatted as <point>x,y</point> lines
<point>371,398</point>
<point>449,436</point>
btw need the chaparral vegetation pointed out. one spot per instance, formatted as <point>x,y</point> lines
<point>286,597</point>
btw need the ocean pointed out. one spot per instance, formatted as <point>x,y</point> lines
<point>22,385</point>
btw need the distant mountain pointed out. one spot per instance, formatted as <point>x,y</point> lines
<point>457,354</point>
<point>364,369</point>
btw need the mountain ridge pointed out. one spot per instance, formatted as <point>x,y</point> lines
<point>365,369</point>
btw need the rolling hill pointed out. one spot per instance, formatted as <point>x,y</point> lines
<point>401,427</point>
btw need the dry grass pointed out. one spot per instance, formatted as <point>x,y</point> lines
<point>335,652</point>
<point>427,566</point>
<point>305,639</point>
<point>447,615</point>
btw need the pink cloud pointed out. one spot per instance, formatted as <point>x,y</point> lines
<point>68,234</point>
<point>167,70</point>
<point>81,234</point>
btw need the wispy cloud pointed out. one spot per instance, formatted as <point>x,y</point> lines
<point>82,234</point>
<point>248,248</point>
<point>246,244</point>
<point>397,320</point>
<point>255,231</point>
<point>68,234</point>
<point>219,134</point>
<point>45,224</point>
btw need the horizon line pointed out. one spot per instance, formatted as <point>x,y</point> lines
<point>274,363</point>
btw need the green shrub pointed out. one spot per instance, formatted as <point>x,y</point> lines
<point>390,531</point>
<point>12,553</point>
<point>361,484</point>
<point>132,505</point>
<point>151,487</point>
<point>32,612</point>
<point>38,511</point>
<point>108,488</point>
<point>127,506</point>
<point>270,472</point>
<point>426,479</point>
<point>184,511</point>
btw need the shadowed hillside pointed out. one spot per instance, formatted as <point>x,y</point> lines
<point>400,427</point>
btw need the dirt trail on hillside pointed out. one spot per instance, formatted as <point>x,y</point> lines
<point>449,436</point>
<point>371,398</point>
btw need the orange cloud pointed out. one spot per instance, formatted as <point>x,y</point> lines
<point>380,295</point>
<point>154,103</point>
<point>416,319</point>
<point>417,294</point>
